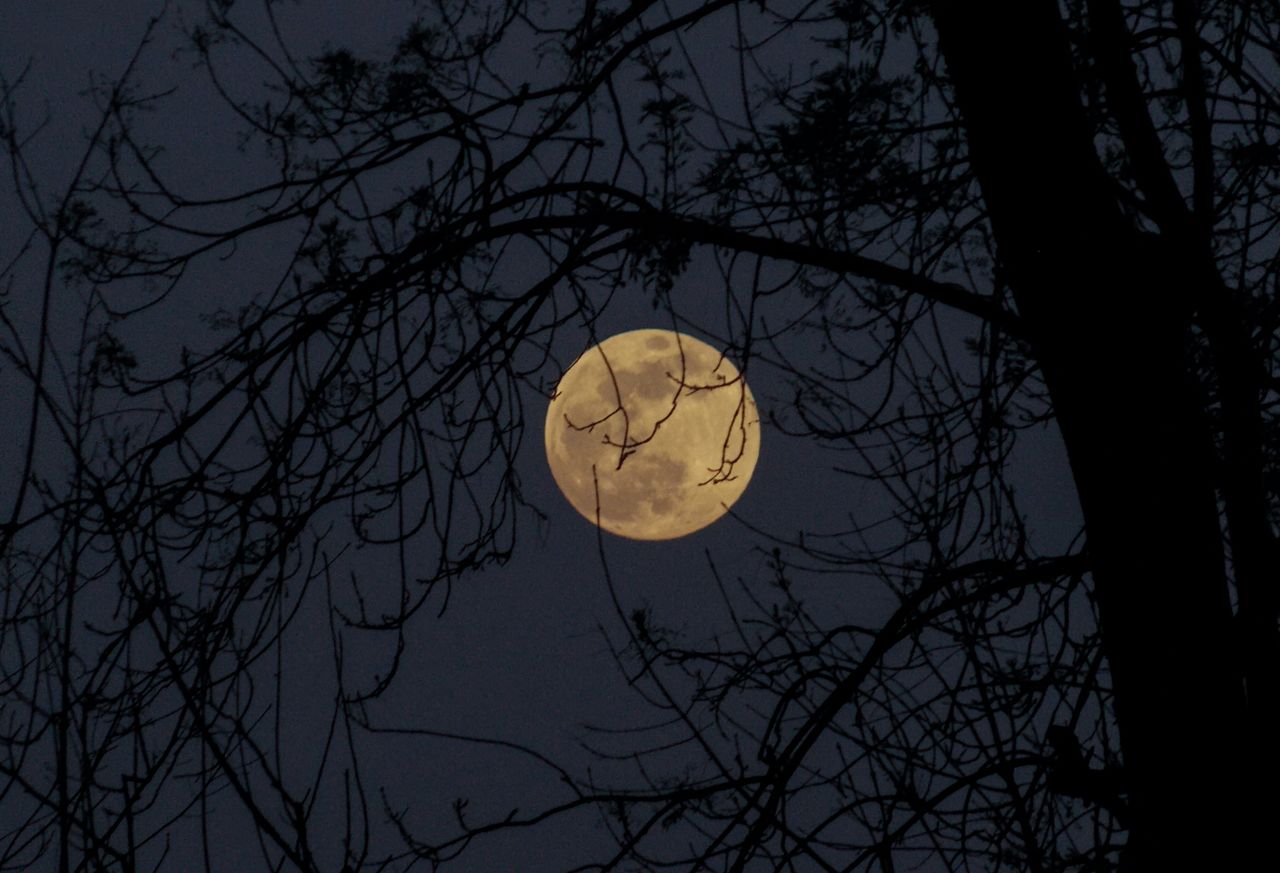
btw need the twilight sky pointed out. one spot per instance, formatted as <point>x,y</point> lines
<point>520,652</point>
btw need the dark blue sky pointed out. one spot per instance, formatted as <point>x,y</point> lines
<point>520,652</point>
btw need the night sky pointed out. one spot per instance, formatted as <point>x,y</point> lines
<point>521,653</point>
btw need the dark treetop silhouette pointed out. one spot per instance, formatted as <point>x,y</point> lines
<point>941,233</point>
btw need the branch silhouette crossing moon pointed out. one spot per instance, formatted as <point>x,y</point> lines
<point>661,426</point>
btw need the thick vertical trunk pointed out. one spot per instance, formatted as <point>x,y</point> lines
<point>1109,314</point>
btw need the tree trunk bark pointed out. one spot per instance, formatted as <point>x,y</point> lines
<point>1109,314</point>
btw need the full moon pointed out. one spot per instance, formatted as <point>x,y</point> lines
<point>659,425</point>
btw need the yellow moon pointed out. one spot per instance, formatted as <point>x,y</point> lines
<point>661,425</point>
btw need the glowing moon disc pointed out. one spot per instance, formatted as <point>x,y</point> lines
<point>663,423</point>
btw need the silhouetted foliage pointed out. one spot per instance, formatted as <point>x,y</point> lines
<point>955,227</point>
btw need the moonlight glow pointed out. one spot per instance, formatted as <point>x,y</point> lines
<point>664,423</point>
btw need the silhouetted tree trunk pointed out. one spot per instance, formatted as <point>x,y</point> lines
<point>1109,307</point>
